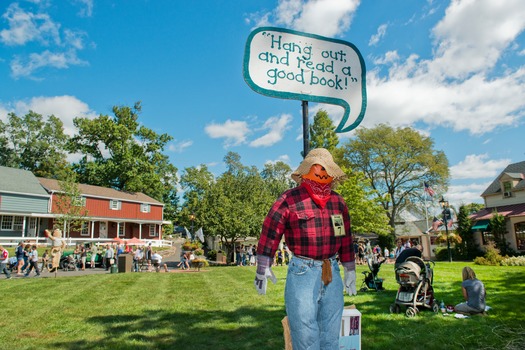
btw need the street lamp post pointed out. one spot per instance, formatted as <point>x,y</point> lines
<point>446,214</point>
<point>192,218</point>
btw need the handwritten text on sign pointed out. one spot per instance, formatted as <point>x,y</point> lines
<point>288,64</point>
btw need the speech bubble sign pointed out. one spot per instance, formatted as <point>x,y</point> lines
<point>288,64</point>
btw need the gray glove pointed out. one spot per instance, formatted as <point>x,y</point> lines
<point>264,271</point>
<point>349,278</point>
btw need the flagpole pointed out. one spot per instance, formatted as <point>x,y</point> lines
<point>426,209</point>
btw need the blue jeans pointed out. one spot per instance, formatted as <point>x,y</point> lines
<point>314,310</point>
<point>5,270</point>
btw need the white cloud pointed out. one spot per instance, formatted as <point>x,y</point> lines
<point>233,131</point>
<point>456,88</point>
<point>25,27</point>
<point>277,126</point>
<point>324,17</point>
<point>64,107</point>
<point>381,31</point>
<point>478,166</point>
<point>86,9</point>
<point>178,147</point>
<point>59,46</point>
<point>25,67</point>
<point>473,35</point>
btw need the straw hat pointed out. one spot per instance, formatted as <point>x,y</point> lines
<point>322,157</point>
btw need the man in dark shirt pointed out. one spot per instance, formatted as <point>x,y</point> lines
<point>406,253</point>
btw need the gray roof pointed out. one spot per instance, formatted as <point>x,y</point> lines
<point>20,181</point>
<point>407,229</point>
<point>516,171</point>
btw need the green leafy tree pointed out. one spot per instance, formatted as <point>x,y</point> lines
<point>70,205</point>
<point>322,132</point>
<point>364,205</point>
<point>34,143</point>
<point>237,203</point>
<point>397,162</point>
<point>196,182</point>
<point>468,248</point>
<point>277,177</point>
<point>498,228</point>
<point>120,153</point>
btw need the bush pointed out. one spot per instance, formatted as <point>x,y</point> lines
<point>513,261</point>
<point>442,253</point>
<point>491,257</point>
<point>212,255</point>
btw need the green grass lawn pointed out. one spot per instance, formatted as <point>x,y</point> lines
<point>218,308</point>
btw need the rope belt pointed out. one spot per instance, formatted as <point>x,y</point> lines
<point>326,274</point>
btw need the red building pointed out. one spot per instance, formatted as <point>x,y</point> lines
<point>110,213</point>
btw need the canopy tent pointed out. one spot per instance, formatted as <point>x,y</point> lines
<point>135,241</point>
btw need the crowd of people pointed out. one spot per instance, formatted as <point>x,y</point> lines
<point>364,251</point>
<point>26,259</point>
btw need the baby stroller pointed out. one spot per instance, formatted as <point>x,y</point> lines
<point>12,264</point>
<point>415,279</point>
<point>68,263</point>
<point>371,280</point>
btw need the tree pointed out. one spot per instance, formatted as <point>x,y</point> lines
<point>34,144</point>
<point>235,204</point>
<point>70,205</point>
<point>322,132</point>
<point>277,177</point>
<point>498,228</point>
<point>468,248</point>
<point>364,205</point>
<point>397,162</point>
<point>120,153</point>
<point>196,182</point>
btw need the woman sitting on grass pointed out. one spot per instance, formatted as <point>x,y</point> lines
<point>473,292</point>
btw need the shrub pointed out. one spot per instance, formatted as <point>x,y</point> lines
<point>212,255</point>
<point>491,257</point>
<point>442,253</point>
<point>513,261</point>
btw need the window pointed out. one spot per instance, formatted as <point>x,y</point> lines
<point>121,230</point>
<point>507,186</point>
<point>519,228</point>
<point>12,223</point>
<point>79,201</point>
<point>487,237</point>
<point>32,223</point>
<point>145,208</point>
<point>18,223</point>
<point>85,229</point>
<point>7,223</point>
<point>115,204</point>
<point>152,232</point>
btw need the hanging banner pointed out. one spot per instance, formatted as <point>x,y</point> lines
<point>288,64</point>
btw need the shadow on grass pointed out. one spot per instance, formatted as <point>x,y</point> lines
<point>243,328</point>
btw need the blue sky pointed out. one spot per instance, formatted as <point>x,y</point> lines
<point>454,70</point>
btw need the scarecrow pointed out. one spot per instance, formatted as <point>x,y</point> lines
<point>316,226</point>
<point>58,246</point>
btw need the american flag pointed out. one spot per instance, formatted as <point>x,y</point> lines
<point>429,190</point>
<point>436,223</point>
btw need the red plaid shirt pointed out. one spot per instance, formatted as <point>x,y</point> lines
<point>307,228</point>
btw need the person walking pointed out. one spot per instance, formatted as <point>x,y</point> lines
<point>4,260</point>
<point>33,262</point>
